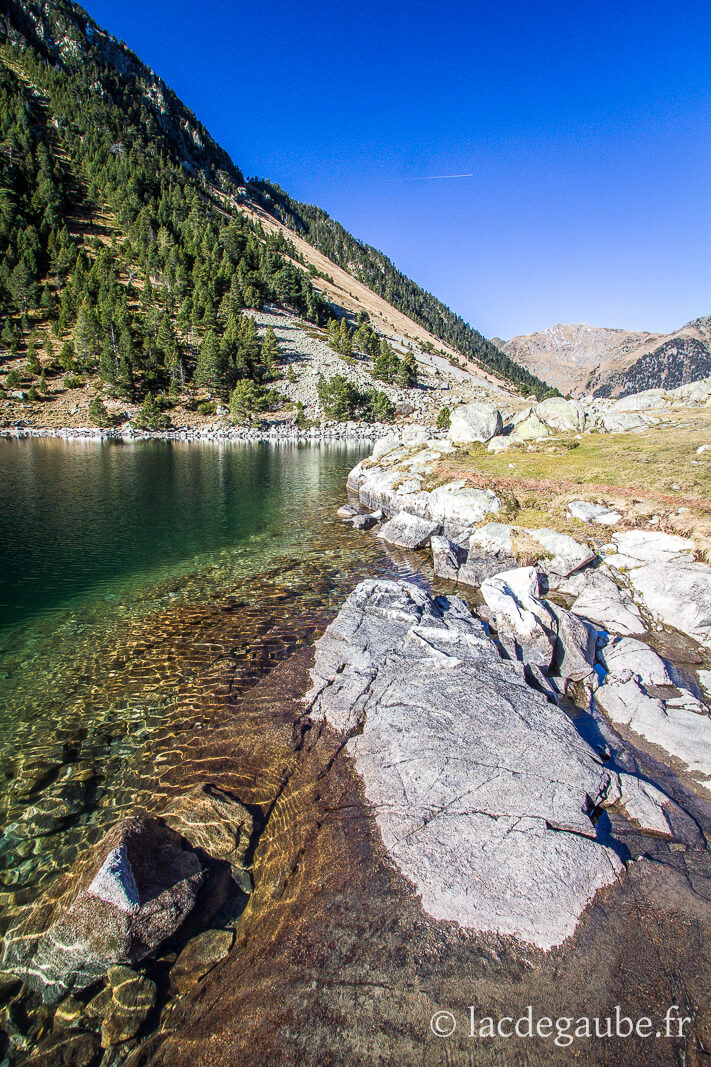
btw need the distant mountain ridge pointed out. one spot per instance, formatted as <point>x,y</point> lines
<point>580,358</point>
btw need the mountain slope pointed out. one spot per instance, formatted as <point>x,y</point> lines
<point>580,358</point>
<point>133,258</point>
<point>376,271</point>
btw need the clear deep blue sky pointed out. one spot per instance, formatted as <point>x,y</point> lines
<point>586,126</point>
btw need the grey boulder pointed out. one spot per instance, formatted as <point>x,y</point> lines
<point>603,602</point>
<point>525,625</point>
<point>561,414</point>
<point>565,554</point>
<point>479,786</point>
<point>597,513</point>
<point>408,531</point>
<point>474,422</point>
<point>446,557</point>
<point>575,647</point>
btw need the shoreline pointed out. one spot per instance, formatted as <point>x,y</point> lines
<point>330,432</point>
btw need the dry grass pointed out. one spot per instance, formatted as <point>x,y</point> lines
<point>656,477</point>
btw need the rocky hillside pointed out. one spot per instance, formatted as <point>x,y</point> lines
<point>136,266</point>
<point>580,358</point>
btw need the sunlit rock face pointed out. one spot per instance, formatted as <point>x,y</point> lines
<point>481,788</point>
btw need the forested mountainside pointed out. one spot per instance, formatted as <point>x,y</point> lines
<point>123,250</point>
<point>580,358</point>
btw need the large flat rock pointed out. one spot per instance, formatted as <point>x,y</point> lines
<point>479,786</point>
<point>678,595</point>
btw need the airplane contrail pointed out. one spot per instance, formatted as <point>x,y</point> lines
<point>434,177</point>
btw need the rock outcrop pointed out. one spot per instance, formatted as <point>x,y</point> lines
<point>673,588</point>
<point>481,789</point>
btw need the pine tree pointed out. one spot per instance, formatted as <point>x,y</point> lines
<point>345,340</point>
<point>33,363</point>
<point>406,375</point>
<point>209,371</point>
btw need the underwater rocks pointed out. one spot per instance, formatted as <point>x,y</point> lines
<point>215,822</point>
<point>139,884</point>
<point>480,787</point>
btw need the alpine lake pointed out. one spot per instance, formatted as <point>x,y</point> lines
<point>144,588</point>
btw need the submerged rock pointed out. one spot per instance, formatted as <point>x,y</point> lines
<point>363,522</point>
<point>213,820</point>
<point>198,958</point>
<point>480,787</point>
<point>133,997</point>
<point>139,886</point>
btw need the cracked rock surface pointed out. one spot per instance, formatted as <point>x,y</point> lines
<point>481,788</point>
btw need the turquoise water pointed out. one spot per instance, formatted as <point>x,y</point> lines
<point>143,589</point>
<point>78,518</point>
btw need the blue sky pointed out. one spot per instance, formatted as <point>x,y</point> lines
<point>586,127</point>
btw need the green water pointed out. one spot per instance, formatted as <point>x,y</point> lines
<point>81,518</point>
<point>143,588</point>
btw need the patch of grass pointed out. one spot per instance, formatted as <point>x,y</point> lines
<point>652,462</point>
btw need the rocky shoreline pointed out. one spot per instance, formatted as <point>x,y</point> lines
<point>495,792</point>
<point>329,431</point>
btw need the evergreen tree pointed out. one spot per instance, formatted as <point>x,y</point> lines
<point>210,370</point>
<point>406,374</point>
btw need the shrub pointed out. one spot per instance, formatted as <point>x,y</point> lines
<point>98,415</point>
<point>444,418</point>
<point>13,380</point>
<point>207,407</point>
<point>150,416</point>
<point>72,381</point>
